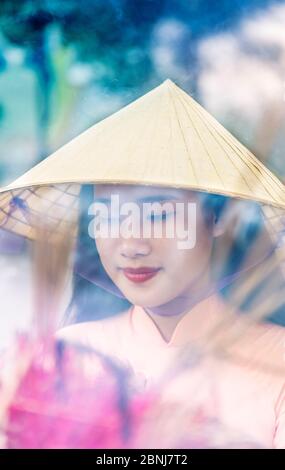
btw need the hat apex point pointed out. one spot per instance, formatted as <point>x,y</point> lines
<point>168,81</point>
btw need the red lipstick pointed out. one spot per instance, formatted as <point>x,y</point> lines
<point>139,275</point>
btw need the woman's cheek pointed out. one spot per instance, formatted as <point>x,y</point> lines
<point>105,249</point>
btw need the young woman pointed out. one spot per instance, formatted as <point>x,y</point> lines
<point>184,297</point>
<point>192,295</point>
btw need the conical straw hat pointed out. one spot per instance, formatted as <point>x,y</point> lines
<point>164,138</point>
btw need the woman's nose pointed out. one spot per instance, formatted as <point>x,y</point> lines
<point>135,247</point>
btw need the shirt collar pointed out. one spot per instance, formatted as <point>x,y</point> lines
<point>194,325</point>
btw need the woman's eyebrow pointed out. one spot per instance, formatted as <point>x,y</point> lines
<point>157,198</point>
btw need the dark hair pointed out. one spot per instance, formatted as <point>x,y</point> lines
<point>251,227</point>
<point>87,296</point>
<point>93,290</point>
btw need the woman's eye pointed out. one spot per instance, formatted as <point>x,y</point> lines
<point>162,216</point>
<point>152,217</point>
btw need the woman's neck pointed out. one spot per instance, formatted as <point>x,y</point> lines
<point>167,316</point>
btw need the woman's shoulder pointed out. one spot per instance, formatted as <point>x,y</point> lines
<point>250,340</point>
<point>92,333</point>
<point>261,344</point>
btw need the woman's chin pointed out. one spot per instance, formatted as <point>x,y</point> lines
<point>143,295</point>
<point>145,300</point>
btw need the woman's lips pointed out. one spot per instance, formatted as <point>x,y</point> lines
<point>140,274</point>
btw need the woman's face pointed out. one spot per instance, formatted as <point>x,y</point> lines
<point>152,271</point>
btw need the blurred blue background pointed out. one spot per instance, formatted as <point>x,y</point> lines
<point>66,64</point>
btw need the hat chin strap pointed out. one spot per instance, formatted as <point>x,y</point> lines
<point>232,277</point>
<point>104,282</point>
